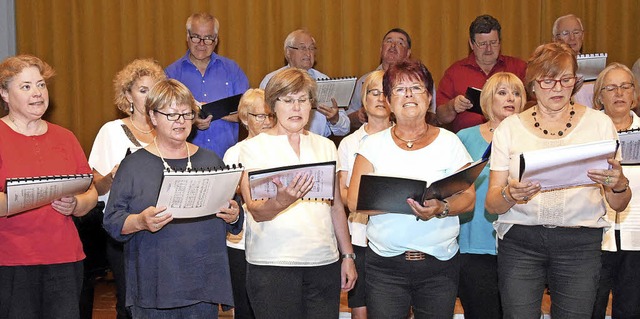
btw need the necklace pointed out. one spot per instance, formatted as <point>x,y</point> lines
<point>409,142</point>
<point>166,166</point>
<point>561,132</point>
<point>138,129</point>
<point>20,130</point>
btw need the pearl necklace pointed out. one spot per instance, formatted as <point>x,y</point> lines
<point>560,133</point>
<point>137,128</point>
<point>409,142</point>
<point>166,166</point>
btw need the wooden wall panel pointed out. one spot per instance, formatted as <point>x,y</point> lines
<point>88,41</point>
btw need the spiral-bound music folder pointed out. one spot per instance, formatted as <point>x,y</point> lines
<point>630,146</point>
<point>324,174</point>
<point>340,89</point>
<point>591,64</point>
<point>26,193</point>
<point>389,194</point>
<point>200,192</point>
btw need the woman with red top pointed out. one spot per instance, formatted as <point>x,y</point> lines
<point>41,254</point>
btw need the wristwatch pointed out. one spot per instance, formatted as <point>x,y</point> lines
<point>352,256</point>
<point>445,212</point>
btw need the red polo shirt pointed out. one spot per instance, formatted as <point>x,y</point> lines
<point>467,72</point>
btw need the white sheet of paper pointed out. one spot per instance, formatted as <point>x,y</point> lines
<point>323,174</point>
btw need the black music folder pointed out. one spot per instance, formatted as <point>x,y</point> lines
<point>221,108</point>
<point>389,194</point>
<point>473,95</point>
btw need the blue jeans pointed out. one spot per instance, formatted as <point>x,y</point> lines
<point>201,310</point>
<point>568,259</point>
<point>395,284</point>
<point>294,292</point>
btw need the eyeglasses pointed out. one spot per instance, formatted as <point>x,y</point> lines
<point>375,92</point>
<point>612,87</point>
<point>565,82</point>
<point>402,90</point>
<point>566,33</point>
<point>196,39</point>
<point>310,49</point>
<point>289,101</point>
<point>261,117</point>
<point>484,44</point>
<point>176,116</point>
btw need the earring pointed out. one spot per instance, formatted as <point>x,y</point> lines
<point>131,109</point>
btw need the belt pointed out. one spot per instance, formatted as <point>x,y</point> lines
<point>554,226</point>
<point>412,255</point>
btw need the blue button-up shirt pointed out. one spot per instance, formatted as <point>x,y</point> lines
<point>222,78</point>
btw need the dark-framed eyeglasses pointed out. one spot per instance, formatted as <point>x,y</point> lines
<point>565,82</point>
<point>402,90</point>
<point>290,101</point>
<point>484,44</point>
<point>303,49</point>
<point>261,117</point>
<point>176,116</point>
<point>196,39</point>
<point>375,92</point>
<point>626,86</point>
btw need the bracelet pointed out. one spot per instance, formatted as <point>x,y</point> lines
<point>352,256</point>
<point>503,192</point>
<point>626,187</point>
<point>237,219</point>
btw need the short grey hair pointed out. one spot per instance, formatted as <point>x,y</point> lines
<point>289,41</point>
<point>554,30</point>
<point>204,17</point>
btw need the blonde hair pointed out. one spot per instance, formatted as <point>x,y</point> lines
<point>126,77</point>
<point>12,66</point>
<point>369,81</point>
<point>290,80</point>
<point>252,97</point>
<point>168,92</point>
<point>491,86</point>
<point>597,88</point>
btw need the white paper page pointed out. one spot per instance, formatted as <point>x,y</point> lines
<point>567,166</point>
<point>339,89</point>
<point>262,186</point>
<point>189,195</point>
<point>30,193</point>
<point>630,147</point>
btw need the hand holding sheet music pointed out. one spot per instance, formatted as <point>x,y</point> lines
<point>565,166</point>
<point>339,89</point>
<point>262,186</point>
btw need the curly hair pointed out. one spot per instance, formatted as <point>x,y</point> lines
<point>12,66</point>
<point>125,79</point>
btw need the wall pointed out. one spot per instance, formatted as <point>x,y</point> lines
<point>87,42</point>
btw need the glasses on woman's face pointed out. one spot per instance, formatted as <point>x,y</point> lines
<point>375,92</point>
<point>261,117</point>
<point>565,82</point>
<point>196,39</point>
<point>625,87</point>
<point>289,101</point>
<point>402,90</point>
<point>176,116</point>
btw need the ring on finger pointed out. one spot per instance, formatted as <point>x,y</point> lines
<point>156,226</point>
<point>607,180</point>
<point>525,198</point>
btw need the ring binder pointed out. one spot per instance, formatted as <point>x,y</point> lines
<point>324,173</point>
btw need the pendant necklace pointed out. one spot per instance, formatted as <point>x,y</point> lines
<point>409,143</point>
<point>138,129</point>
<point>546,132</point>
<point>166,166</point>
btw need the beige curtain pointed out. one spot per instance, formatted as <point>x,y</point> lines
<point>88,41</point>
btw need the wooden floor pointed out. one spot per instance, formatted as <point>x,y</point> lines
<point>104,302</point>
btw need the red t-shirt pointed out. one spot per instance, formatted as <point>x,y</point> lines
<point>42,235</point>
<point>466,73</point>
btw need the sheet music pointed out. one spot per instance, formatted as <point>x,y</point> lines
<point>566,166</point>
<point>27,193</point>
<point>591,64</point>
<point>198,193</point>
<point>340,89</point>
<point>630,147</point>
<point>323,174</point>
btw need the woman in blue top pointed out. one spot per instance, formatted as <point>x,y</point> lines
<point>502,95</point>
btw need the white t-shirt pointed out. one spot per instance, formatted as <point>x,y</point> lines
<point>109,148</point>
<point>301,235</point>
<point>236,241</point>
<point>577,206</point>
